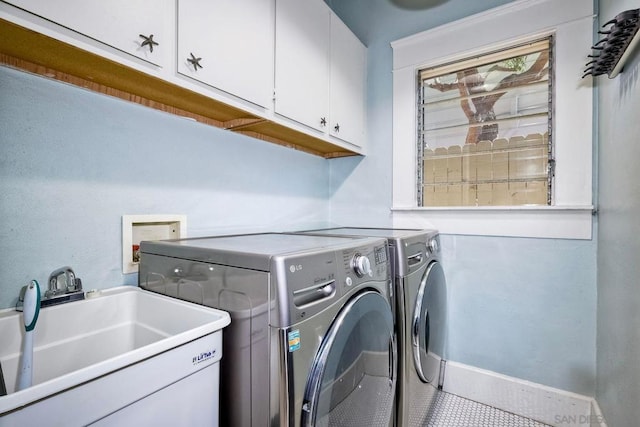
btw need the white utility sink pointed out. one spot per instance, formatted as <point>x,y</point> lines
<point>125,357</point>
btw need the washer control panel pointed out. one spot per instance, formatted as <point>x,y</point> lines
<point>366,263</point>
<point>361,265</point>
<point>313,281</point>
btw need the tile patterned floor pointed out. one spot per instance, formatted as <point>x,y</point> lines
<point>448,410</point>
<point>370,404</point>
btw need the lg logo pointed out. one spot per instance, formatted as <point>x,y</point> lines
<point>294,268</point>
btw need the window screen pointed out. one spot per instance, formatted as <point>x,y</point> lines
<point>484,129</point>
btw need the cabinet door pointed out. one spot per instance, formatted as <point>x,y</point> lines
<point>234,41</point>
<point>347,84</point>
<point>117,23</point>
<point>302,62</point>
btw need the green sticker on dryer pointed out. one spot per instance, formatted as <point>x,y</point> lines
<point>293,339</point>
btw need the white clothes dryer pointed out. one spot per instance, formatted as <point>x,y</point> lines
<point>311,339</point>
<point>421,315</point>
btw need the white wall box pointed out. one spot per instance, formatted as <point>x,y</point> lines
<point>100,48</point>
<point>136,228</point>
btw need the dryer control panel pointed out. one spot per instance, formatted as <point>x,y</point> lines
<point>414,252</point>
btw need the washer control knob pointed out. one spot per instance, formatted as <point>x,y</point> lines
<point>433,246</point>
<point>361,265</point>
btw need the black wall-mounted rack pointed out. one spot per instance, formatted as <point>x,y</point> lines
<point>610,53</point>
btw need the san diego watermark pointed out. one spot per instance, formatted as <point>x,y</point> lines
<point>590,420</point>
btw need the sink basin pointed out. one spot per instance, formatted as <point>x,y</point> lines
<point>93,358</point>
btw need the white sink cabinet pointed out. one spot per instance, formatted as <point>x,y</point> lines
<point>128,357</point>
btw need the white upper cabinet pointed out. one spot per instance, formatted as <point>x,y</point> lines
<point>319,70</point>
<point>347,84</point>
<point>137,27</point>
<point>228,44</point>
<point>302,62</point>
<point>284,71</point>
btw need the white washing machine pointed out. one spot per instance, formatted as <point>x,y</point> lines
<point>311,339</point>
<point>421,315</point>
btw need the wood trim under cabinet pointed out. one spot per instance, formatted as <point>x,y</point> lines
<point>33,52</point>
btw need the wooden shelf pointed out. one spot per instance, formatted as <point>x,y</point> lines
<point>36,53</point>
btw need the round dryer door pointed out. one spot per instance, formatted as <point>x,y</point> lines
<point>352,378</point>
<point>428,327</point>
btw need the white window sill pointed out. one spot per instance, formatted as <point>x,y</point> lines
<point>558,222</point>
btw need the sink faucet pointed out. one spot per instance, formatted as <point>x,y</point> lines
<point>62,281</point>
<point>62,286</point>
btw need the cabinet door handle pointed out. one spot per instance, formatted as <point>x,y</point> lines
<point>323,121</point>
<point>195,62</point>
<point>149,41</point>
<point>337,127</point>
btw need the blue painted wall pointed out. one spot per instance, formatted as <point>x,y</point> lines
<point>521,307</point>
<point>618,386</point>
<point>72,162</point>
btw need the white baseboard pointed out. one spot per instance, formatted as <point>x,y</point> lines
<point>536,401</point>
<point>597,419</point>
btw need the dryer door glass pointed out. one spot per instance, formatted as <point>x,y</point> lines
<point>429,322</point>
<point>352,379</point>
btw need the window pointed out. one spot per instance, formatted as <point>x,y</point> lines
<point>483,129</point>
<point>561,203</point>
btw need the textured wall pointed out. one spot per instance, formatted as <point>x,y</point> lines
<point>618,385</point>
<point>520,307</point>
<point>524,308</point>
<point>72,162</point>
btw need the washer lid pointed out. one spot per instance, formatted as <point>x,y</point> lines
<point>252,251</point>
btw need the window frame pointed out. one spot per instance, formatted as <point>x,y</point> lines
<point>425,103</point>
<point>571,23</point>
